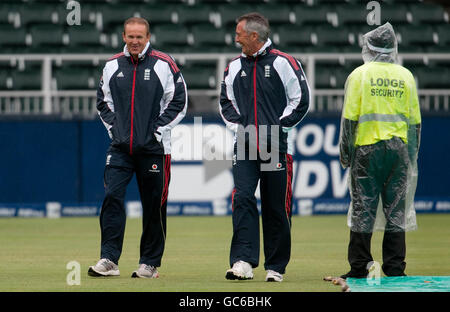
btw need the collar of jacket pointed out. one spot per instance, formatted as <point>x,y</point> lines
<point>141,55</point>
<point>263,51</point>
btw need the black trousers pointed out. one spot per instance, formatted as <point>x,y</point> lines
<point>394,252</point>
<point>153,177</point>
<point>379,170</point>
<point>276,195</point>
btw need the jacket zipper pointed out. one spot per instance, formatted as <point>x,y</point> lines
<point>254,104</point>
<point>132,105</point>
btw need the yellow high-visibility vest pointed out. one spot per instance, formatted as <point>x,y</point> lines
<point>382,97</point>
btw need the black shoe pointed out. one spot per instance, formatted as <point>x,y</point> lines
<point>354,275</point>
<point>395,274</point>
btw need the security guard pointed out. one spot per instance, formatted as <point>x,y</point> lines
<point>379,141</point>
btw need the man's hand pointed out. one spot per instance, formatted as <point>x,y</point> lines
<point>158,135</point>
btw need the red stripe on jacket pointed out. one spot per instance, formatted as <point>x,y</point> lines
<point>116,56</point>
<point>167,58</point>
<point>290,58</point>
<point>288,199</point>
<point>254,104</point>
<point>132,106</point>
<point>165,191</point>
<point>232,199</point>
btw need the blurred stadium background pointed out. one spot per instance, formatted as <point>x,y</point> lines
<point>54,146</point>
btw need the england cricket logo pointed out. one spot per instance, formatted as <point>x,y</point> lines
<point>147,74</point>
<point>267,71</point>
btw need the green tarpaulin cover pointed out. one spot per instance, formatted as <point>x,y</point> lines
<point>400,283</point>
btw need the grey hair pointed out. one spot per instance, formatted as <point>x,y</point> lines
<point>256,22</point>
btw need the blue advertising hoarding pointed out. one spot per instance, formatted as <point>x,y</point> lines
<point>62,162</point>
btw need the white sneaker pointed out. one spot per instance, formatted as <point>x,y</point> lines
<point>146,271</point>
<point>241,270</point>
<point>273,276</point>
<point>104,267</point>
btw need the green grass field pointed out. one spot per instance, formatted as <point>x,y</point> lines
<point>34,254</point>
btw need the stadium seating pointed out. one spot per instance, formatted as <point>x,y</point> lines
<point>276,14</point>
<point>4,75</point>
<point>6,15</point>
<point>252,1</point>
<point>84,39</point>
<point>139,1</point>
<point>311,15</point>
<point>351,14</point>
<point>115,15</point>
<point>214,1</point>
<point>407,1</point>
<point>397,14</point>
<point>74,78</point>
<point>333,36</point>
<point>435,77</point>
<point>13,39</point>
<point>443,32</point>
<point>191,26</point>
<point>333,74</point>
<point>229,13</point>
<point>107,17</point>
<point>34,13</point>
<point>29,79</point>
<point>46,38</point>
<point>341,73</point>
<point>207,38</point>
<point>156,14</point>
<point>413,38</point>
<point>200,77</point>
<point>294,37</point>
<point>194,14</point>
<point>171,36</point>
<point>428,13</point>
<point>324,77</point>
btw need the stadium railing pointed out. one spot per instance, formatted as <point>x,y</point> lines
<point>50,101</point>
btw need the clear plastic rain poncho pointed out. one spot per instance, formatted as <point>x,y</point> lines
<point>380,45</point>
<point>381,113</point>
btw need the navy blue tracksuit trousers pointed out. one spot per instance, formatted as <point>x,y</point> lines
<point>153,177</point>
<point>276,195</point>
